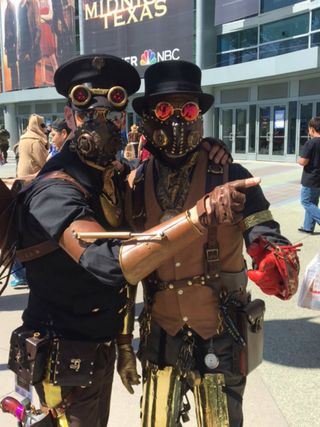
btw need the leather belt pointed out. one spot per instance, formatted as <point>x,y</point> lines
<point>184,283</point>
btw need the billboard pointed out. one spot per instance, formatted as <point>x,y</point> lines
<point>37,36</point>
<point>232,10</point>
<point>142,32</point>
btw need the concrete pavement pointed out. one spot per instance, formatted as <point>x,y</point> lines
<point>283,391</point>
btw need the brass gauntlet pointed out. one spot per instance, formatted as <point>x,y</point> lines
<point>139,257</point>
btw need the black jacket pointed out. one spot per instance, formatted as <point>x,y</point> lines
<point>80,301</point>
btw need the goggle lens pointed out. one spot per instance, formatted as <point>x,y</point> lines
<point>80,95</point>
<point>163,110</point>
<point>118,96</point>
<point>189,111</point>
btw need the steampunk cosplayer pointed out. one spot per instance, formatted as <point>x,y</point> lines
<point>199,329</point>
<point>77,312</point>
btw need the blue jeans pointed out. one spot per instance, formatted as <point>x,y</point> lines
<point>310,200</point>
<point>18,271</point>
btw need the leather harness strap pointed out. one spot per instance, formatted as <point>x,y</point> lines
<point>217,175</point>
<point>44,248</point>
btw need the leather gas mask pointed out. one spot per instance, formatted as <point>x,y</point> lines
<point>97,139</point>
<point>97,142</point>
<point>173,126</point>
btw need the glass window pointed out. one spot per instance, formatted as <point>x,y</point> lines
<point>280,48</point>
<point>43,108</point>
<point>315,39</point>
<point>237,40</point>
<point>236,57</point>
<point>24,109</point>
<point>305,116</point>
<point>284,28</point>
<point>315,20</point>
<point>252,128</point>
<point>267,5</point>
<point>292,120</point>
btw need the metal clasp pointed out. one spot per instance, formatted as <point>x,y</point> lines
<point>75,364</point>
<point>212,255</point>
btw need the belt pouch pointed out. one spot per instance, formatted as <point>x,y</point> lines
<point>28,356</point>
<point>73,362</point>
<point>250,324</point>
<point>47,421</point>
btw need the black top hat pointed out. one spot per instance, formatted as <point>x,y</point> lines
<point>99,70</point>
<point>172,77</point>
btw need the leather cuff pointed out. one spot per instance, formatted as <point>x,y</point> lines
<point>205,218</point>
<point>124,339</point>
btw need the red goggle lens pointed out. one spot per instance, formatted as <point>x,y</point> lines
<point>163,111</point>
<point>118,96</point>
<point>190,111</point>
<point>81,95</point>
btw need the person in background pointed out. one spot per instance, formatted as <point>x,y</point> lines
<point>310,179</point>
<point>33,147</point>
<point>131,151</point>
<point>143,153</point>
<point>59,134</point>
<point>4,143</point>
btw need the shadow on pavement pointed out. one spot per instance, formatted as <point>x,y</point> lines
<point>4,367</point>
<point>293,342</point>
<point>13,302</point>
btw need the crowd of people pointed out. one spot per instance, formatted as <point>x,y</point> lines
<point>193,211</point>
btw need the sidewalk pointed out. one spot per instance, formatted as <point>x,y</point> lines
<point>283,391</point>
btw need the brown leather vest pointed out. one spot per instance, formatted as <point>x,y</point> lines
<point>195,305</point>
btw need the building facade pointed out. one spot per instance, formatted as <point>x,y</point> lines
<point>260,59</point>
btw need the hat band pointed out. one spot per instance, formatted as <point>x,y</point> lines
<point>171,87</point>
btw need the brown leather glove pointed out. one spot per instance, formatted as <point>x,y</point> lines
<point>218,151</point>
<point>127,367</point>
<point>225,203</point>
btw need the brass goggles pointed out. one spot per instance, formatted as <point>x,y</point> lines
<point>189,111</point>
<point>81,95</point>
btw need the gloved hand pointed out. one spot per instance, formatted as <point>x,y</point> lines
<point>219,152</point>
<point>277,268</point>
<point>127,367</point>
<point>225,203</point>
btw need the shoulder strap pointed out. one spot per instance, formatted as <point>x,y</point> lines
<point>216,175</point>
<point>48,246</point>
<point>137,200</point>
<point>64,176</point>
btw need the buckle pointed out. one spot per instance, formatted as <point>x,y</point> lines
<point>215,169</point>
<point>212,255</point>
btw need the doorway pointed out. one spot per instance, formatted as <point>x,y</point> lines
<point>234,130</point>
<point>272,131</point>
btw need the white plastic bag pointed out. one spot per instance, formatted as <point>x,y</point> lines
<point>309,295</point>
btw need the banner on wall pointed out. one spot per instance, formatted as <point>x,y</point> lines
<point>37,36</point>
<point>142,32</point>
<point>232,10</point>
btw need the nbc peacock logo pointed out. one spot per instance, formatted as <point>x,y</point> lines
<point>148,57</point>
